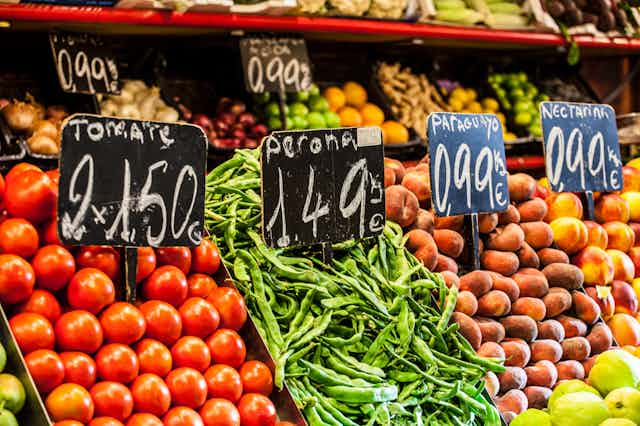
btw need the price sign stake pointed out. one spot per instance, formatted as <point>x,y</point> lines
<point>467,167</point>
<point>322,186</point>
<point>84,64</point>
<point>131,183</point>
<point>582,152</point>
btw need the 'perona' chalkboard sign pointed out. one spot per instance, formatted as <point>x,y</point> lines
<point>581,147</point>
<point>467,163</point>
<point>275,64</point>
<point>84,64</point>
<point>131,183</point>
<point>322,186</point>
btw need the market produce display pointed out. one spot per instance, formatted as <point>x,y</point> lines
<point>506,14</point>
<point>604,15</point>
<point>140,102</point>
<point>349,340</point>
<point>12,394</point>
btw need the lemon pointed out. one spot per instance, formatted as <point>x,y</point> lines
<point>490,104</point>
<point>475,107</point>
<point>472,95</point>
<point>460,94</point>
<point>394,132</point>
<point>455,104</point>
<point>501,117</point>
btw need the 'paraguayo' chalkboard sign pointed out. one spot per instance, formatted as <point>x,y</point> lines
<point>131,183</point>
<point>467,163</point>
<point>581,147</point>
<point>322,186</point>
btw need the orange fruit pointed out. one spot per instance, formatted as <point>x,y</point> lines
<point>350,117</point>
<point>394,132</point>
<point>336,98</point>
<point>356,94</point>
<point>372,115</point>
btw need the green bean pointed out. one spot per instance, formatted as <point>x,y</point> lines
<point>362,395</point>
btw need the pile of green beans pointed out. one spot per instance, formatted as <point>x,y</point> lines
<point>364,340</point>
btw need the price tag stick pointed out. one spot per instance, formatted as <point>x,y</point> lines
<point>282,103</point>
<point>590,205</point>
<point>475,241</point>
<point>130,272</point>
<point>327,253</point>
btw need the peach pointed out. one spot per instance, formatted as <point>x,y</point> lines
<point>449,242</point>
<point>569,234</point>
<point>509,238</point>
<point>573,327</point>
<point>397,168</point>
<point>546,349</point>
<point>562,275</point>
<point>588,363</point>
<point>532,210</point>
<point>623,267</point>
<point>512,403</point>
<point>487,222</point>
<point>428,255</point>
<point>537,234</point>
<point>511,215</point>
<point>468,328</point>
<point>494,304</point>
<point>418,183</point>
<point>634,255</point>
<point>532,307</point>
<point>491,330</point>
<point>416,238</point>
<point>455,223</point>
<point>506,285</point>
<point>502,262</point>
<point>466,303</point>
<point>600,338</point>
<point>477,282</point>
<point>424,220</point>
<point>631,179</point>
<point>543,372</point>
<point>597,235</point>
<point>445,263</point>
<point>635,226</point>
<point>520,327</point>
<point>603,297</point>
<point>576,348</point>
<point>557,301</point>
<point>633,199</point>
<point>563,204</point>
<point>570,369</point>
<point>532,283</point>
<point>625,329</point>
<point>548,256</point>
<point>528,257</point>
<point>537,396</point>
<point>517,352</point>
<point>491,350</point>
<point>389,177</point>
<point>586,309</point>
<point>551,329</point>
<point>492,384</point>
<point>512,378</point>
<point>625,298</point>
<point>596,265</point>
<point>621,236</point>
<point>521,187</point>
<point>636,287</point>
<point>401,205</point>
<point>612,207</point>
<point>450,279</point>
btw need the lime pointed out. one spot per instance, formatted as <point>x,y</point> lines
<point>531,92</point>
<point>522,105</point>
<point>523,119</point>
<point>261,98</point>
<point>11,393</point>
<point>522,76</point>
<point>274,123</point>
<point>302,96</point>
<point>513,84</point>
<point>298,109</point>
<point>3,358</point>
<point>314,90</point>
<point>318,103</point>
<point>7,418</point>
<point>332,119</point>
<point>316,120</point>
<point>273,109</point>
<point>516,94</point>
<point>299,122</point>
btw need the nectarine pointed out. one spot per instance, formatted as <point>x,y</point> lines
<point>623,267</point>
<point>612,207</point>
<point>625,329</point>
<point>563,204</point>
<point>596,265</point>
<point>597,235</point>
<point>620,236</point>
<point>569,234</point>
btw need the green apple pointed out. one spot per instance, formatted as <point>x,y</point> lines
<point>3,358</point>
<point>617,422</point>
<point>614,369</point>
<point>332,119</point>
<point>11,393</point>
<point>579,409</point>
<point>7,418</point>
<point>624,403</point>
<point>532,417</point>
<point>316,120</point>
<point>298,109</point>
<point>570,386</point>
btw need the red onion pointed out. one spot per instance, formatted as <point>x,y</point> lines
<point>250,143</point>
<point>237,108</point>
<point>259,131</point>
<point>202,121</point>
<point>238,133</point>
<point>228,118</point>
<point>247,119</point>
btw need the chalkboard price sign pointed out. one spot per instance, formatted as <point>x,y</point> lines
<point>131,183</point>
<point>84,64</point>
<point>275,64</point>
<point>581,147</point>
<point>468,167</point>
<point>322,186</point>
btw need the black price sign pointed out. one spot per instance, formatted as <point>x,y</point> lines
<point>275,64</point>
<point>84,64</point>
<point>468,167</point>
<point>131,183</point>
<point>581,147</point>
<point>322,186</point>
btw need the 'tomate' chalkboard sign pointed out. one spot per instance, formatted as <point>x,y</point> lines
<point>322,186</point>
<point>84,64</point>
<point>467,164</point>
<point>275,64</point>
<point>581,147</point>
<point>131,183</point>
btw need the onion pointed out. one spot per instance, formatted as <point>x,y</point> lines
<point>42,144</point>
<point>129,111</point>
<point>142,95</point>
<point>20,116</point>
<point>108,107</point>
<point>147,104</point>
<point>167,114</point>
<point>134,86</point>
<point>45,128</point>
<point>125,97</point>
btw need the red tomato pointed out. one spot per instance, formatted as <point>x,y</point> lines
<point>163,321</point>
<point>2,185</point>
<point>154,357</point>
<point>19,237</point>
<point>200,285</point>
<point>117,363</point>
<point>223,382</point>
<point>46,368</point>
<point>230,305</point>
<point>54,266</point>
<point>146,263</point>
<point>104,258</point>
<point>32,332</point>
<point>167,283</point>
<point>219,412</point>
<point>112,399</point>
<point>18,169</point>
<point>70,402</point>
<point>205,258</point>
<point>199,317</point>
<point>122,323</point>
<point>30,195</point>
<point>150,395</point>
<point>182,416</point>
<point>44,303</point>
<point>90,289</point>
<point>191,352</point>
<point>79,368</point>
<point>54,175</point>
<point>256,378</point>
<point>78,331</point>
<point>68,423</point>
<point>180,257</point>
<point>4,215</point>
<point>285,424</point>
<point>105,421</point>
<point>227,347</point>
<point>49,232</point>
<point>16,279</point>
<point>257,410</point>
<point>187,387</point>
<point>143,419</point>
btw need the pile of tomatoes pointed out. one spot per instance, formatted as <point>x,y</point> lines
<point>175,356</point>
